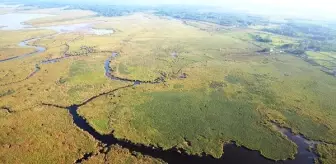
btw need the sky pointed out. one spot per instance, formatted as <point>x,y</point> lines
<point>300,8</point>
<point>319,8</point>
<point>320,4</point>
<point>325,9</point>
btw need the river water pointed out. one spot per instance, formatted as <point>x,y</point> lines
<point>233,154</point>
<point>109,74</point>
<point>14,21</point>
<point>24,44</point>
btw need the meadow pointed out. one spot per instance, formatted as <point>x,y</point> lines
<point>267,81</point>
<point>218,88</point>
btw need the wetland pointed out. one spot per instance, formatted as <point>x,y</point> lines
<point>152,85</point>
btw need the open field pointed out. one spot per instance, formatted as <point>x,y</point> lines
<point>219,87</point>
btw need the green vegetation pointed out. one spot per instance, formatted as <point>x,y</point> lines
<point>306,126</point>
<point>327,153</point>
<point>119,155</point>
<point>225,80</point>
<point>6,93</point>
<point>325,59</point>
<point>205,122</point>
<point>263,39</point>
<point>196,13</point>
<point>307,30</point>
<point>30,136</point>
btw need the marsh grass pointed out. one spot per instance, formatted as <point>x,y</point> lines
<point>205,121</point>
<point>9,52</point>
<point>326,59</point>
<point>308,127</point>
<point>230,92</point>
<point>29,136</point>
<point>327,153</point>
<point>119,155</point>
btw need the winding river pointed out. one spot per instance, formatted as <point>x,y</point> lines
<point>24,44</point>
<point>109,74</point>
<point>233,153</point>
